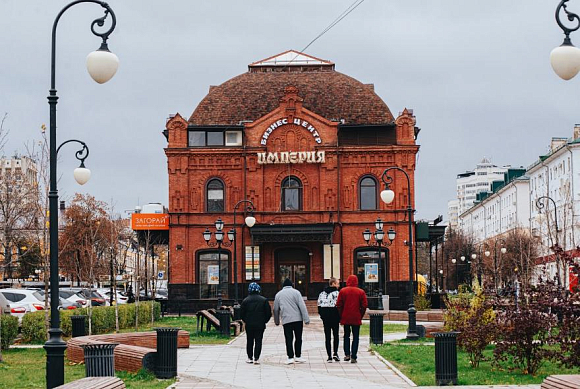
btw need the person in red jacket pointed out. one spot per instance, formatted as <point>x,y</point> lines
<point>352,304</point>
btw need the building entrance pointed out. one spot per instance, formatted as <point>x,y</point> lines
<point>293,264</point>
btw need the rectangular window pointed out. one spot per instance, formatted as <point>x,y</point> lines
<point>208,263</point>
<point>196,138</point>
<point>215,138</point>
<point>233,138</point>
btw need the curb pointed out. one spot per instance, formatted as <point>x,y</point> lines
<point>236,338</point>
<point>392,367</point>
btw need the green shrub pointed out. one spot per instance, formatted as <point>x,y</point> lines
<point>33,330</point>
<point>9,331</point>
<point>473,317</point>
<point>103,320</point>
<point>422,303</point>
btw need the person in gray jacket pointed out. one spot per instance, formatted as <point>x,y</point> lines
<point>289,306</point>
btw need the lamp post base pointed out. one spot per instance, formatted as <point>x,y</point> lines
<point>55,348</point>
<point>412,330</point>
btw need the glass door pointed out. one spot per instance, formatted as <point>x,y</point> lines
<point>295,272</point>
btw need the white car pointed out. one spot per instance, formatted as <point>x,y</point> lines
<point>106,293</point>
<point>74,296</point>
<point>7,307</point>
<point>23,298</point>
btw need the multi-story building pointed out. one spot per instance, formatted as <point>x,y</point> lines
<point>307,145</point>
<point>504,208</point>
<point>19,169</point>
<point>453,213</point>
<point>555,175</point>
<point>479,180</point>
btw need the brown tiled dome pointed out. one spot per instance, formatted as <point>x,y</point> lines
<point>326,92</point>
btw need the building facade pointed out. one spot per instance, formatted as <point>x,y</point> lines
<point>505,208</point>
<point>479,180</point>
<point>307,146</point>
<point>555,175</point>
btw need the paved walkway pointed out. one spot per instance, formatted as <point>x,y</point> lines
<point>224,366</point>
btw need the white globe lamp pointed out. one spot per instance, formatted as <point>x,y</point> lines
<point>387,196</point>
<point>82,174</point>
<point>102,64</point>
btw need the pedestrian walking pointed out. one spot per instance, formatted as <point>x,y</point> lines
<point>352,304</point>
<point>330,318</point>
<point>289,306</point>
<point>255,312</point>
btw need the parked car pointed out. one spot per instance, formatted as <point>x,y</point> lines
<point>106,293</point>
<point>62,303</point>
<point>25,298</point>
<point>9,308</point>
<point>82,296</point>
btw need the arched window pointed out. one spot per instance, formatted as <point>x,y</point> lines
<point>367,193</point>
<point>215,195</point>
<point>291,194</point>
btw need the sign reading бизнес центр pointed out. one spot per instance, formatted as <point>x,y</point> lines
<point>149,221</point>
<point>296,121</point>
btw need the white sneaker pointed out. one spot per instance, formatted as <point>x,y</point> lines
<point>300,360</point>
<point>249,360</point>
<point>289,361</point>
<point>256,362</point>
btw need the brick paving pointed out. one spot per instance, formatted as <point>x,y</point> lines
<point>224,366</point>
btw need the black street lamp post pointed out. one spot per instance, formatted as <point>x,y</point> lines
<point>219,242</point>
<point>454,261</point>
<point>379,235</point>
<point>388,196</point>
<point>249,221</point>
<point>502,250</point>
<point>102,66</point>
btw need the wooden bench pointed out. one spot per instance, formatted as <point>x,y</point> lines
<point>94,383</point>
<point>136,350</point>
<point>568,381</point>
<point>207,319</point>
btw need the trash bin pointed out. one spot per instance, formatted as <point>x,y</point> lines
<point>100,359</point>
<point>78,325</point>
<point>237,312</point>
<point>376,330</point>
<point>224,316</point>
<point>166,358</point>
<point>446,358</point>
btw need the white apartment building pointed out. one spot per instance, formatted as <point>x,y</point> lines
<point>557,175</point>
<point>453,213</point>
<point>470,183</point>
<point>505,208</point>
<point>22,169</point>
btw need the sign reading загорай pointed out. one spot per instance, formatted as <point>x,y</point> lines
<point>296,121</point>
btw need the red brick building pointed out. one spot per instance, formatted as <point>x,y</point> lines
<point>307,145</point>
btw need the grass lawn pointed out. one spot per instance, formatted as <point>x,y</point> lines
<point>189,324</point>
<point>25,368</point>
<point>418,363</point>
<point>365,328</point>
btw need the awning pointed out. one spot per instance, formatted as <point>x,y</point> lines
<point>292,233</point>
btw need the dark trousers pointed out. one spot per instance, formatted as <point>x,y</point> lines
<point>254,342</point>
<point>292,330</point>
<point>331,326</point>
<point>355,333</point>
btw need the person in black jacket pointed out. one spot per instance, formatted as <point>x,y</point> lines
<point>256,312</point>
<point>330,317</point>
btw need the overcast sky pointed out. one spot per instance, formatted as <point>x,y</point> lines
<point>476,73</point>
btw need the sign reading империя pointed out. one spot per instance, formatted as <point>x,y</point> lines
<point>291,156</point>
<point>285,121</point>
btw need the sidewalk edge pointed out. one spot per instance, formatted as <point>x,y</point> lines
<point>392,367</point>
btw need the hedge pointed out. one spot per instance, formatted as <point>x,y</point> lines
<point>103,320</point>
<point>9,331</point>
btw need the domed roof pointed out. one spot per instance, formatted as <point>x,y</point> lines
<point>326,92</point>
